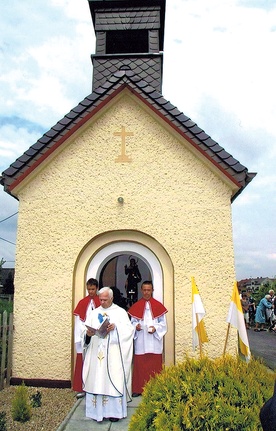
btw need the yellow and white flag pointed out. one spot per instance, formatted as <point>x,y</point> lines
<point>235,318</point>
<point>198,312</point>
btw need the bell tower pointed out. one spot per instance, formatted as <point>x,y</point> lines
<point>129,36</point>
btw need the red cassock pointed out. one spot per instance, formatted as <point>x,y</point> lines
<point>147,347</point>
<point>81,312</point>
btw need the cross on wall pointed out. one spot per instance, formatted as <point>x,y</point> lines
<point>123,157</point>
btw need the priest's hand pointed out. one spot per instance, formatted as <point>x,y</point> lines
<point>90,332</point>
<point>151,329</point>
<point>111,327</point>
<point>138,327</point>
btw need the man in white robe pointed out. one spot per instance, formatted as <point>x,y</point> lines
<point>149,320</point>
<point>107,361</point>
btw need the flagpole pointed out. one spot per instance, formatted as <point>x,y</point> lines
<point>199,336</point>
<point>226,340</point>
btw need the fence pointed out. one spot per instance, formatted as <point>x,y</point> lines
<point>6,338</point>
<point>6,296</point>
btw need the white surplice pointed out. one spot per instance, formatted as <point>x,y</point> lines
<point>107,365</point>
<point>145,342</point>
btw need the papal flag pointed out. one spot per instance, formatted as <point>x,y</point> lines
<point>235,318</point>
<point>198,312</point>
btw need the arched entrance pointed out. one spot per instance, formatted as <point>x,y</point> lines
<point>120,250</point>
<point>104,247</point>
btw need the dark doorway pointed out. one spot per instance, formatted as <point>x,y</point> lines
<point>113,274</point>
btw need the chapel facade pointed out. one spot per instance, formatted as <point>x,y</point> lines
<point>125,174</point>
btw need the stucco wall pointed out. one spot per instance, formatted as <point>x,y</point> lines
<point>168,194</point>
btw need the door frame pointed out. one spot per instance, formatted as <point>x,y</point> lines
<point>100,248</point>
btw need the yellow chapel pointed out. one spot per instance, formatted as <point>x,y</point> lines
<point>124,174</point>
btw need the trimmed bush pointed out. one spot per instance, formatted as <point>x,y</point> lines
<point>224,394</point>
<point>21,409</point>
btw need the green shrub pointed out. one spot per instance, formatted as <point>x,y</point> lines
<point>36,399</point>
<point>224,394</point>
<point>3,421</point>
<point>21,409</point>
<point>6,305</point>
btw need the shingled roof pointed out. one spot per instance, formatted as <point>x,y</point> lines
<point>120,80</point>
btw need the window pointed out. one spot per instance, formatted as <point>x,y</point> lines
<point>126,41</point>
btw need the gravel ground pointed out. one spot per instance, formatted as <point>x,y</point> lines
<point>55,405</point>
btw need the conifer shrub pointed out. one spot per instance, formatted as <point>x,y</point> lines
<point>21,408</point>
<point>224,394</point>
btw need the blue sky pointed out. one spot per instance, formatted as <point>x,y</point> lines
<point>219,69</point>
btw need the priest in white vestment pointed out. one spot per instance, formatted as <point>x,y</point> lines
<point>107,360</point>
<point>149,320</point>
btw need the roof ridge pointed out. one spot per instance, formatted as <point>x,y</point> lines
<point>177,119</point>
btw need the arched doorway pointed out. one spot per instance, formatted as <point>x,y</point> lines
<point>103,248</point>
<point>118,253</point>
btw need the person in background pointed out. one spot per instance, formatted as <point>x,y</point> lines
<point>245,308</point>
<point>118,298</point>
<point>81,312</point>
<point>252,308</point>
<point>272,294</point>
<point>260,317</point>
<point>271,316</point>
<point>107,360</point>
<point>149,320</point>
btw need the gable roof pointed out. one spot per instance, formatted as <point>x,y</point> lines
<point>70,123</point>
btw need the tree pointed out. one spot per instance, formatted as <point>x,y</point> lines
<point>264,289</point>
<point>2,262</point>
<point>8,285</point>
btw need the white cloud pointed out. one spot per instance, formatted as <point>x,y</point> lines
<point>78,11</point>
<point>233,65</point>
<point>55,67</point>
<point>247,198</point>
<point>13,142</point>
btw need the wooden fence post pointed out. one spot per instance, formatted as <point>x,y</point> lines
<point>4,349</point>
<point>10,344</point>
<point>6,340</point>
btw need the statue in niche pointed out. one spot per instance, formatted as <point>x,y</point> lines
<point>133,278</point>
